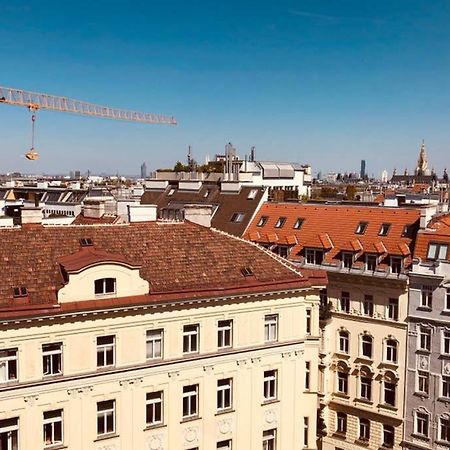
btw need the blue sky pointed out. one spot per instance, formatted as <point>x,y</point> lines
<point>320,82</point>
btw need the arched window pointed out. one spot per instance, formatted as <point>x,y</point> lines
<point>391,350</point>
<point>344,341</point>
<point>366,346</point>
<point>444,428</point>
<point>421,422</point>
<point>342,378</point>
<point>389,389</point>
<point>365,389</point>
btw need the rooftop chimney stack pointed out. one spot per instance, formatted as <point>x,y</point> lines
<point>31,215</point>
<point>199,214</point>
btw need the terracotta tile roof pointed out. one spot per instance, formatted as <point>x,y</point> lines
<point>82,220</point>
<point>181,258</point>
<point>333,228</point>
<point>438,230</point>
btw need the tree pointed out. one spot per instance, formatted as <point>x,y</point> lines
<point>350,192</point>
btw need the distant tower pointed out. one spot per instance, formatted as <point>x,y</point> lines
<point>422,162</point>
<point>252,154</point>
<point>384,176</point>
<point>143,170</point>
<point>362,173</point>
<point>189,158</point>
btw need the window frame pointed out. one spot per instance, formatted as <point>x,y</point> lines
<point>262,221</point>
<point>424,338</point>
<point>50,356</point>
<point>388,430</point>
<point>154,408</point>
<point>104,291</point>
<point>341,422</point>
<point>237,217</point>
<point>391,350</point>
<point>281,222</point>
<point>152,338</point>
<point>53,422</point>
<point>269,439</point>
<point>371,262</point>
<point>436,254</point>
<point>364,429</point>
<point>368,307</point>
<point>224,329</point>
<point>422,424</point>
<point>191,338</point>
<point>224,394</point>
<point>369,342</point>
<point>423,382</point>
<point>10,364</point>
<point>270,385</point>
<point>103,414</point>
<point>362,227</point>
<point>344,302</point>
<point>190,401</point>
<point>393,309</point>
<point>271,322</point>
<point>105,351</point>
<point>344,341</point>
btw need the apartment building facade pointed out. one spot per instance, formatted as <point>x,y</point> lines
<point>366,252</point>
<point>154,335</point>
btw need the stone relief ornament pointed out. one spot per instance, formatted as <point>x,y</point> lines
<point>155,442</point>
<point>270,416</point>
<point>224,426</point>
<point>191,435</point>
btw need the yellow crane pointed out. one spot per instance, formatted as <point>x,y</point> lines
<point>35,101</point>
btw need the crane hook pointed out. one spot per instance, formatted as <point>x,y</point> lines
<point>32,154</point>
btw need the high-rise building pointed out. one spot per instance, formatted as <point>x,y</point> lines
<point>362,173</point>
<point>144,170</point>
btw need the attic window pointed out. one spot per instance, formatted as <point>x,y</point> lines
<point>361,228</point>
<point>171,192</point>
<point>262,221</point>
<point>86,242</point>
<point>298,223</point>
<point>206,193</point>
<point>237,217</point>
<point>384,229</point>
<point>252,194</point>
<point>407,230</point>
<point>20,291</point>
<point>246,271</point>
<point>280,222</point>
<point>437,250</point>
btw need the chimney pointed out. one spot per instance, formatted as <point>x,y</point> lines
<point>31,215</point>
<point>94,208</point>
<point>199,214</point>
<point>426,214</point>
<point>141,213</point>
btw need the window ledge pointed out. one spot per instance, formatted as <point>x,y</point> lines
<point>421,394</point>
<point>190,419</point>
<point>55,447</point>
<point>340,435</point>
<point>106,436</point>
<point>388,407</point>
<point>269,402</point>
<point>224,411</point>
<point>445,443</point>
<point>424,308</point>
<point>445,312</point>
<point>365,401</point>
<point>363,442</point>
<point>421,437</point>
<point>155,426</point>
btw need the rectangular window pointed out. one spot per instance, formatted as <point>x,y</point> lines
<point>361,228</point>
<point>364,429</point>
<point>391,351</point>
<point>344,302</point>
<point>105,351</point>
<point>308,321</point>
<point>388,436</point>
<point>154,344</point>
<point>105,286</point>
<point>224,394</point>
<point>262,221</point>
<point>366,388</point>
<point>341,423</point>
<point>342,382</point>
<point>447,299</point>
<point>53,428</point>
<point>314,256</point>
<point>154,408</point>
<point>237,217</point>
<point>371,263</point>
<point>191,338</point>
<point>9,434</point>
<point>426,297</point>
<point>280,222</point>
<point>437,251</point>
<point>224,445</point>
<point>224,333</point>
<point>384,229</point>
<point>271,328</point>
<point>270,385</point>
<point>298,223</point>
<point>106,417</point>
<point>389,393</point>
<point>305,432</point>
<point>422,421</point>
<point>445,342</point>
<point>396,264</point>
<point>392,311</point>
<point>8,365</point>
<point>445,386</point>
<point>423,382</point>
<point>190,401</point>
<point>425,339</point>
<point>368,305</point>
<point>307,374</point>
<point>269,439</point>
<point>323,297</point>
<point>347,260</point>
<point>52,359</point>
<point>444,429</point>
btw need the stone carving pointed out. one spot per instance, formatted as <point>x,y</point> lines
<point>79,391</point>
<point>270,416</point>
<point>155,442</point>
<point>446,368</point>
<point>224,426</point>
<point>131,382</point>
<point>191,435</point>
<point>31,399</point>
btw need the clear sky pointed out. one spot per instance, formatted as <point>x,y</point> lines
<point>322,82</point>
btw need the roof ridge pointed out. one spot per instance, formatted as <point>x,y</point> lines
<point>274,256</point>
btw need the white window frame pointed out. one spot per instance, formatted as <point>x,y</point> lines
<point>154,407</point>
<point>421,421</point>
<point>437,250</point>
<point>388,430</point>
<point>447,419</point>
<point>389,386</point>
<point>343,341</point>
<point>426,333</point>
<point>367,386</point>
<point>271,327</point>
<point>104,351</point>
<point>423,382</point>
<point>312,256</point>
<point>347,260</point>
<point>104,286</point>
<point>191,401</point>
<point>426,297</point>
<point>9,363</point>
<point>447,299</point>
<point>154,343</point>
<point>368,337</point>
<point>50,359</point>
<point>307,375</point>
<point>396,262</point>
<point>225,333</point>
<point>54,418</point>
<point>445,341</point>
<point>308,318</point>
<point>224,394</point>
<point>368,262</point>
<point>269,440</point>
<point>344,302</point>
<point>191,338</point>
<point>368,303</point>
<point>445,380</point>
<point>364,429</point>
<point>341,422</point>
<point>103,414</point>
<point>342,382</point>
<point>305,432</point>
<point>225,445</point>
<point>270,385</point>
<point>392,309</point>
<point>11,431</point>
<point>391,351</point>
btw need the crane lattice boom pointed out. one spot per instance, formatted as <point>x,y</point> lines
<point>36,101</point>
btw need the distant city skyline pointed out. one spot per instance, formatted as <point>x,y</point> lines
<point>326,85</point>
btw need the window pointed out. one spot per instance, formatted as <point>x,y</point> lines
<point>437,251</point>
<point>368,305</point>
<point>224,394</point>
<point>366,346</point>
<point>407,230</point>
<point>191,338</point>
<point>426,297</point>
<point>246,271</point>
<point>20,291</point>
<point>105,286</point>
<point>269,439</point>
<point>344,302</point>
<point>224,333</point>
<point>171,192</point>
<point>262,221</point>
<point>364,429</point>
<point>105,351</point>
<point>323,294</point>
<point>314,256</point>
<point>341,423</point>
<point>446,386</point>
<point>423,381</point>
<point>154,344</point>
<point>389,393</point>
<point>307,374</point>
<point>271,328</point>
<point>252,194</point>
<point>422,424</point>
<point>445,343</point>
<point>391,351</point>
<point>305,432</point>
<point>86,242</point>
<point>392,309</point>
<point>371,262</point>
<point>342,386</point>
<point>384,229</point>
<point>347,260</point>
<point>9,434</point>
<point>237,217</point>
<point>424,339</point>
<point>190,401</point>
<point>282,250</point>
<point>298,223</point>
<point>444,428</point>
<point>366,386</point>
<point>224,445</point>
<point>361,228</point>
<point>154,408</point>
<point>52,359</point>
<point>270,385</point>
<point>280,222</point>
<point>388,436</point>
<point>447,299</point>
<point>8,365</point>
<point>396,264</point>
<point>344,341</point>
<point>308,321</point>
<point>106,417</point>
<point>53,427</point>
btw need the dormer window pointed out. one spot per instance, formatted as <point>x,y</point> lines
<point>384,229</point>
<point>252,194</point>
<point>396,264</point>
<point>86,242</point>
<point>280,222</point>
<point>314,256</point>
<point>206,193</point>
<point>171,192</point>
<point>237,217</point>
<point>262,221</point>
<point>407,230</point>
<point>20,291</point>
<point>361,228</point>
<point>371,262</point>
<point>104,286</point>
<point>437,250</point>
<point>347,259</point>
<point>298,223</point>
<point>246,271</point>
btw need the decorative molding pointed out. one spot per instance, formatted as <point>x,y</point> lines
<point>423,362</point>
<point>208,368</point>
<point>173,374</point>
<point>255,360</point>
<point>446,367</point>
<point>79,391</point>
<point>270,416</point>
<point>241,362</point>
<point>31,399</point>
<point>191,435</point>
<point>225,426</point>
<point>155,442</point>
<point>130,382</point>
<point>107,447</point>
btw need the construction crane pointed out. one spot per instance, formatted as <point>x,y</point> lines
<point>35,101</point>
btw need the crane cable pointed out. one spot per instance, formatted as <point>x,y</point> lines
<point>32,155</point>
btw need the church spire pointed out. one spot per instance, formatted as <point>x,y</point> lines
<point>422,162</point>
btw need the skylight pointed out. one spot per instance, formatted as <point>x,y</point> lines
<point>86,242</point>
<point>262,221</point>
<point>384,229</point>
<point>237,217</point>
<point>20,291</point>
<point>246,271</point>
<point>280,222</point>
<point>252,194</point>
<point>361,228</point>
<point>298,223</point>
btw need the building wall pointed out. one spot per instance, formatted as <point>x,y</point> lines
<point>82,384</point>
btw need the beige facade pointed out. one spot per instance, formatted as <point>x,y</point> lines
<point>110,385</point>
